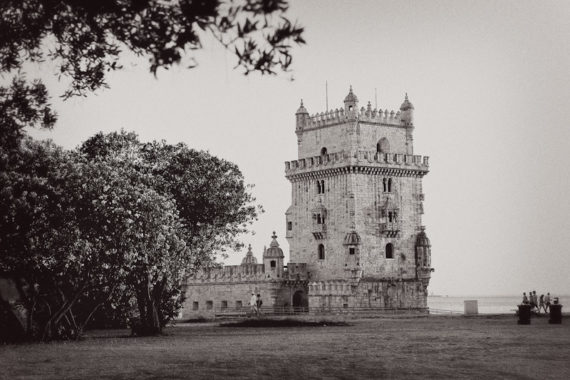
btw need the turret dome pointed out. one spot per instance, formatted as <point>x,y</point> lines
<point>301,109</point>
<point>249,258</point>
<point>407,105</point>
<point>273,250</point>
<point>351,98</point>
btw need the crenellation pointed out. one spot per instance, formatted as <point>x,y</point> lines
<point>359,157</point>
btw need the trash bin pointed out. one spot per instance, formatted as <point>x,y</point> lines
<point>524,315</point>
<point>555,314</point>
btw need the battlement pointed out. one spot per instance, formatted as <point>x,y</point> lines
<point>369,159</point>
<point>337,116</point>
<point>229,273</point>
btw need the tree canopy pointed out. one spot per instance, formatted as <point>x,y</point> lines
<point>82,228</point>
<point>86,38</point>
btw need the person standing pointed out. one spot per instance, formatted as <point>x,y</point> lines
<point>525,299</point>
<point>541,303</point>
<point>253,304</point>
<point>532,300</point>
<point>258,303</point>
<point>547,303</point>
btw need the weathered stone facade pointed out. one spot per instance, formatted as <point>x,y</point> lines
<point>354,226</point>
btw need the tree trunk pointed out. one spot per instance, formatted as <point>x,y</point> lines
<point>149,309</point>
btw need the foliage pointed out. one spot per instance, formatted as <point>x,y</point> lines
<point>213,204</point>
<point>87,229</point>
<point>22,105</point>
<point>87,37</point>
<point>117,223</point>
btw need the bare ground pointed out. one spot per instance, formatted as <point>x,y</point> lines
<point>399,347</point>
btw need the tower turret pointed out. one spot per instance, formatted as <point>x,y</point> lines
<point>273,259</point>
<point>302,117</point>
<point>407,112</point>
<point>423,256</point>
<point>350,103</point>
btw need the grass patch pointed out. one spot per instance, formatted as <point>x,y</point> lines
<point>282,323</point>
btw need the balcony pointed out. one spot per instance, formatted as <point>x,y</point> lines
<point>319,230</point>
<point>390,229</point>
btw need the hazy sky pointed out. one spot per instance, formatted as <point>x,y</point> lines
<point>490,82</point>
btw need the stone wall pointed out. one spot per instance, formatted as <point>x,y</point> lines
<point>366,293</point>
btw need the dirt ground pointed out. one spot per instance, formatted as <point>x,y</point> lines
<point>407,348</point>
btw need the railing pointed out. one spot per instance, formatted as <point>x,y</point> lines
<point>286,310</point>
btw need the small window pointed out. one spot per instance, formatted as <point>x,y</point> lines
<point>323,151</point>
<point>321,252</point>
<point>319,221</point>
<point>389,251</point>
<point>323,186</point>
<point>238,305</point>
<point>383,146</point>
<point>352,250</point>
<point>273,264</point>
<point>195,305</point>
<point>209,305</point>
<point>389,185</point>
<point>224,305</point>
<point>385,184</point>
<point>319,187</point>
<point>289,226</point>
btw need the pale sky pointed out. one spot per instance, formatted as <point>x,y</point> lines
<point>490,82</point>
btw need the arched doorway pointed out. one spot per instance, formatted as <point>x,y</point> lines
<point>300,302</point>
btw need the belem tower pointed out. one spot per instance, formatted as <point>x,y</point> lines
<point>354,226</point>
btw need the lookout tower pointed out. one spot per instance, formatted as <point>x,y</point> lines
<point>357,205</point>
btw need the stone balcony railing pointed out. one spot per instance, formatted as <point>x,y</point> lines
<point>390,229</point>
<point>358,158</point>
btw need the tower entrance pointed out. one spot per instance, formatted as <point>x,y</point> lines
<point>300,301</point>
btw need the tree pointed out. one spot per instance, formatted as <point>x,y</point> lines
<point>214,206</point>
<point>86,38</point>
<point>77,233</point>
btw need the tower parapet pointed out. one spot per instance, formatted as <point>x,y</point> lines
<point>350,111</point>
<point>360,160</point>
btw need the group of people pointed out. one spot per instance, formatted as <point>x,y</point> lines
<point>537,303</point>
<point>255,303</point>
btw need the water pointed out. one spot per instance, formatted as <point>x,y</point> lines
<point>487,305</point>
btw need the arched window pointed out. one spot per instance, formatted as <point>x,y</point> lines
<point>319,187</point>
<point>389,185</point>
<point>384,182</point>
<point>389,251</point>
<point>390,216</point>
<point>383,146</point>
<point>323,186</point>
<point>323,151</point>
<point>272,263</point>
<point>321,252</point>
<point>319,221</point>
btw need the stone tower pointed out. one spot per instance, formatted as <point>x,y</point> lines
<point>357,202</point>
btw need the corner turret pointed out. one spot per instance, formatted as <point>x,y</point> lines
<point>273,259</point>
<point>407,112</point>
<point>302,117</point>
<point>423,256</point>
